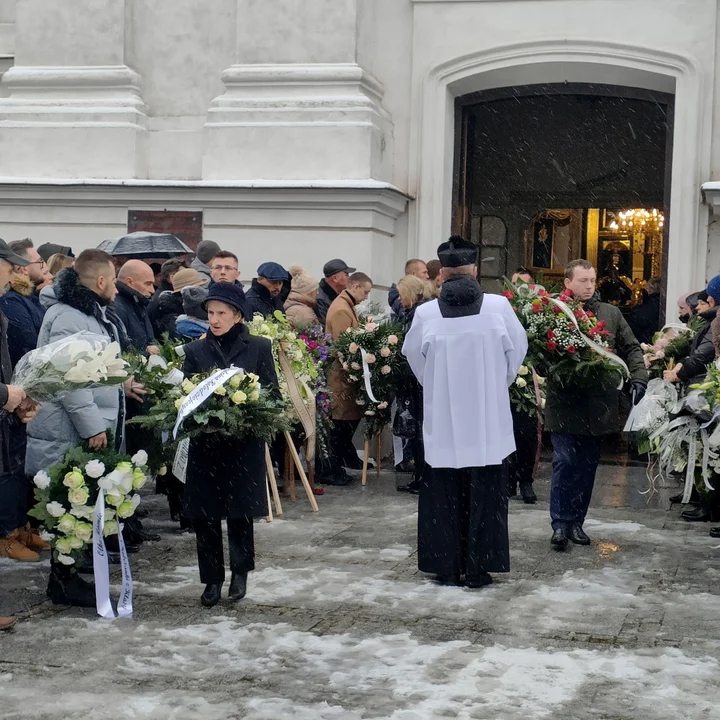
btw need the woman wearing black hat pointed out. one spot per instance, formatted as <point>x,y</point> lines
<point>225,478</point>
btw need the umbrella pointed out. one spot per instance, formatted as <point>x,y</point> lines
<point>143,244</point>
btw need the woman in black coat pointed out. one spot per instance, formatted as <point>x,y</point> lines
<point>226,478</point>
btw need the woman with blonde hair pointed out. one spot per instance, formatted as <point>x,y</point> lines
<point>408,418</point>
<point>58,262</point>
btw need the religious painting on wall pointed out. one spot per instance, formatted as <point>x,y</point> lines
<point>552,240</point>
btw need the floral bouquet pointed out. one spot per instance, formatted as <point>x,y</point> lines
<point>65,496</point>
<point>368,355</point>
<point>668,346</point>
<point>565,342</point>
<point>157,375</point>
<point>81,360</point>
<point>285,339</point>
<point>238,407</point>
<point>524,394</point>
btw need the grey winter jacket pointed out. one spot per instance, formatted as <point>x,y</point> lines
<point>201,267</point>
<point>78,415</point>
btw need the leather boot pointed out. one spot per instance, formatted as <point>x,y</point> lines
<point>559,539</point>
<point>66,587</point>
<point>578,535</point>
<point>478,581</point>
<point>7,622</point>
<point>448,580</point>
<point>699,514</point>
<point>238,586</point>
<point>13,548</point>
<point>528,494</point>
<point>211,595</point>
<point>31,539</point>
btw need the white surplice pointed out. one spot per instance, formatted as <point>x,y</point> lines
<point>465,366</point>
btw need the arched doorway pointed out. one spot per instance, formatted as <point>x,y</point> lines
<point>562,165</point>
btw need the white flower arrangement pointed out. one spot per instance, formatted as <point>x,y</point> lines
<point>78,361</point>
<point>65,496</point>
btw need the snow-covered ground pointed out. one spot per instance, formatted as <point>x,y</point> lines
<point>339,624</point>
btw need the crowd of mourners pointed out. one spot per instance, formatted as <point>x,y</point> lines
<point>48,293</point>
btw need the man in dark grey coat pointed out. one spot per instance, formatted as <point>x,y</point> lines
<point>205,252</point>
<point>335,280</point>
<point>579,417</point>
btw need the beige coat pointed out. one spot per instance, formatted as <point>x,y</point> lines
<point>343,393</point>
<point>299,310</point>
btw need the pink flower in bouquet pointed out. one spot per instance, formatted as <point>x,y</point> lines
<point>659,355</point>
<point>386,370</point>
<point>354,347</point>
<point>382,406</point>
<point>370,326</point>
<point>385,352</point>
<point>663,342</point>
<point>392,339</point>
<point>370,358</point>
<point>355,366</point>
<point>345,366</point>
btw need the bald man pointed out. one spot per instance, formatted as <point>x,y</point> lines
<point>135,287</point>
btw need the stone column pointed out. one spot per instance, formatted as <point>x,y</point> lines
<point>74,108</point>
<point>297,104</point>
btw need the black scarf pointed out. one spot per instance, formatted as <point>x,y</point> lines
<point>225,345</point>
<point>460,296</point>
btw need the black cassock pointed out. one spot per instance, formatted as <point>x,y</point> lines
<point>462,521</point>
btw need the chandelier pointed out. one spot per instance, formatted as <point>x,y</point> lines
<point>639,220</point>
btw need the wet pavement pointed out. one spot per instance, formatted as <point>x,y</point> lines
<point>338,623</point>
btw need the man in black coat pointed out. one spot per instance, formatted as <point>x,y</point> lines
<point>264,295</point>
<point>135,286</point>
<point>167,273</point>
<point>17,409</point>
<point>336,273</point>
<point>644,320</point>
<point>21,303</point>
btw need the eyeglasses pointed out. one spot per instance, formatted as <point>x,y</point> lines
<point>224,267</point>
<point>37,262</point>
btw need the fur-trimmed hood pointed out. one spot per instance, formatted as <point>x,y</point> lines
<point>70,291</point>
<point>21,284</point>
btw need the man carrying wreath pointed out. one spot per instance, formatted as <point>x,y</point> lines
<point>465,350</point>
<point>579,416</point>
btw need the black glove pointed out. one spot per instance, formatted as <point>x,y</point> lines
<point>637,391</point>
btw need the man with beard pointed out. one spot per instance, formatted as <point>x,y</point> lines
<point>264,295</point>
<point>21,303</point>
<point>78,302</point>
<point>465,349</point>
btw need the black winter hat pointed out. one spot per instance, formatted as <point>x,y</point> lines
<point>230,293</point>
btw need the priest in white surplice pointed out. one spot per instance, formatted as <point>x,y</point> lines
<point>465,350</point>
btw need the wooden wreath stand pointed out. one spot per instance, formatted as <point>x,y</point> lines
<point>366,457</point>
<point>292,461</point>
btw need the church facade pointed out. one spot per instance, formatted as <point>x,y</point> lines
<point>301,130</point>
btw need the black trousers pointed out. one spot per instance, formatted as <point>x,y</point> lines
<point>342,441</point>
<point>13,502</point>
<point>241,542</point>
<point>522,461</point>
<point>463,521</point>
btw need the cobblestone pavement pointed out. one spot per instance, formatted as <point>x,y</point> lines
<point>338,623</point>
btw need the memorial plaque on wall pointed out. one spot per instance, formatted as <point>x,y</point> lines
<point>185,225</point>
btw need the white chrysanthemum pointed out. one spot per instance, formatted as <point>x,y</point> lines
<point>95,469</point>
<point>55,509</point>
<point>42,480</point>
<point>140,458</point>
<point>65,559</point>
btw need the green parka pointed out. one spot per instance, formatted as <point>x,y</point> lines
<point>595,410</point>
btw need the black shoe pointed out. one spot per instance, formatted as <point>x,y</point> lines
<point>112,545</point>
<point>142,536</point>
<point>211,596</point>
<point>353,462</point>
<point>714,532</point>
<point>528,494</point>
<point>412,487</point>
<point>677,498</point>
<point>698,514</point>
<point>478,581</point>
<point>340,480</point>
<point>578,535</point>
<point>559,539</point>
<point>238,586</point>
<point>68,588</point>
<point>448,580</point>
